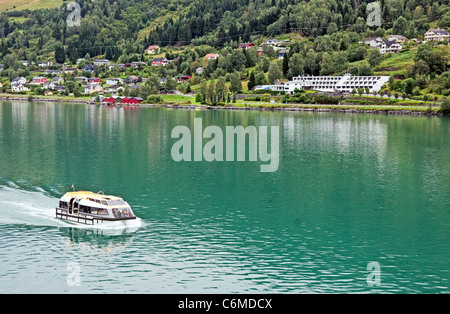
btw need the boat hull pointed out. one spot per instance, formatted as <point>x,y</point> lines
<point>85,219</point>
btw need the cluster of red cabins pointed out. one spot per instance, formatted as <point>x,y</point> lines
<point>123,100</point>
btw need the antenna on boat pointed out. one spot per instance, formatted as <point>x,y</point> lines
<point>73,187</point>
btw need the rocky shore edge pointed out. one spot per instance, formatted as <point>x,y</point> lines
<point>298,108</point>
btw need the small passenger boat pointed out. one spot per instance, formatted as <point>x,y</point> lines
<point>90,208</point>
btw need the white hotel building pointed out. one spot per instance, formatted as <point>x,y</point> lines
<point>345,83</point>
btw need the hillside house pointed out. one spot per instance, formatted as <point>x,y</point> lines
<point>246,45</point>
<point>399,39</point>
<point>18,81</point>
<point>114,81</point>
<point>19,88</point>
<point>183,78</point>
<point>437,35</point>
<point>44,64</point>
<point>92,88</point>
<point>101,62</point>
<point>373,42</point>
<point>38,80</point>
<point>389,46</point>
<point>212,56</point>
<point>132,79</point>
<point>90,68</point>
<point>272,42</point>
<point>282,52</point>
<point>93,80</point>
<point>159,61</point>
<point>152,49</point>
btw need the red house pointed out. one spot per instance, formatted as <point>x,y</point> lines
<point>38,80</point>
<point>94,80</point>
<point>132,100</point>
<point>246,45</point>
<point>109,100</point>
<point>183,78</point>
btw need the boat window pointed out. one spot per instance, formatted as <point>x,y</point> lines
<point>122,212</point>
<point>112,203</point>
<point>120,202</point>
<point>63,204</point>
<point>99,211</point>
<point>85,209</point>
<point>104,202</point>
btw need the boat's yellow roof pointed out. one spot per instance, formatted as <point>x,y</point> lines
<point>89,194</point>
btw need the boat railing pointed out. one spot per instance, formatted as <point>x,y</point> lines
<point>80,218</point>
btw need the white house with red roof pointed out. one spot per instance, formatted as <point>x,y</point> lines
<point>152,49</point>
<point>212,56</point>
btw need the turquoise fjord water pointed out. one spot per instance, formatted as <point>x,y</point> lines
<point>349,190</point>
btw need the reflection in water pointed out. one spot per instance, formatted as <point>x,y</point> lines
<point>97,241</point>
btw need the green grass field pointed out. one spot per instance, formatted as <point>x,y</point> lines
<point>29,4</point>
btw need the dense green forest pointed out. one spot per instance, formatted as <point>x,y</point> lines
<point>326,33</point>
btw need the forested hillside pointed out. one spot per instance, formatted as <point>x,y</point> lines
<point>138,23</point>
<point>325,36</point>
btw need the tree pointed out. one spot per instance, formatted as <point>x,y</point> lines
<point>408,86</point>
<point>332,28</point>
<point>445,106</point>
<point>260,79</point>
<point>220,88</point>
<point>203,88</point>
<point>424,52</point>
<point>210,92</point>
<point>364,69</point>
<point>235,83</point>
<point>274,73</point>
<point>375,58</point>
<point>391,82</point>
<point>326,65</point>
<point>263,64</point>
<point>60,54</point>
<point>421,68</point>
<point>310,63</point>
<point>340,62</point>
<point>400,26</point>
<point>198,98</point>
<point>356,53</point>
<point>296,65</point>
<point>171,84</point>
<point>251,81</point>
<point>285,64</point>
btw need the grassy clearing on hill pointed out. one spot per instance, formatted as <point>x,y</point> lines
<point>29,4</point>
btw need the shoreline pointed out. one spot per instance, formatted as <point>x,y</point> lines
<point>394,110</point>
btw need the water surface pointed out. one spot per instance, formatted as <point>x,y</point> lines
<point>349,190</point>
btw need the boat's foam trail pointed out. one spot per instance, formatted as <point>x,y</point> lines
<point>36,208</point>
<point>25,207</point>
